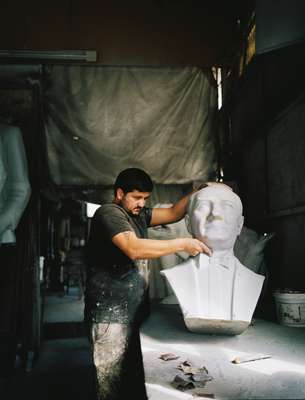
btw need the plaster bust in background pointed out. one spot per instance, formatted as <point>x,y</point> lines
<point>217,294</point>
<point>14,183</point>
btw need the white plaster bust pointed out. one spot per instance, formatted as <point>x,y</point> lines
<point>214,215</point>
<point>14,183</point>
<point>217,294</point>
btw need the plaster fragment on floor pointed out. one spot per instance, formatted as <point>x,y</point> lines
<point>169,356</point>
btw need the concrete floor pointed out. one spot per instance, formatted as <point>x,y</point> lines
<point>64,368</point>
<point>68,308</point>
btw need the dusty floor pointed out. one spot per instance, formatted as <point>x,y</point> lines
<point>280,377</point>
<point>64,368</point>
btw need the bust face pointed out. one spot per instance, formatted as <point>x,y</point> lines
<point>214,216</point>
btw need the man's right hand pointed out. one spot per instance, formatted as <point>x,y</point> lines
<point>136,248</point>
<point>194,246</point>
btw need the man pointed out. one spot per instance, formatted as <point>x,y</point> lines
<point>217,294</point>
<point>116,291</point>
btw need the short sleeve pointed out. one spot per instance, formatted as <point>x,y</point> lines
<point>148,215</point>
<point>112,220</point>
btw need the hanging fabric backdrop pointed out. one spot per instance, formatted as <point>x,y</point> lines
<point>100,120</point>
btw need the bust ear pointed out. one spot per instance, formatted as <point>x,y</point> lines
<point>240,224</point>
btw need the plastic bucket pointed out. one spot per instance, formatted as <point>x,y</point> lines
<point>290,308</point>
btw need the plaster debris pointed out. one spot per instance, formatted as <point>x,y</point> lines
<point>186,362</point>
<point>200,393</point>
<point>169,357</point>
<point>182,383</point>
<point>193,377</point>
<point>187,368</point>
<point>249,358</point>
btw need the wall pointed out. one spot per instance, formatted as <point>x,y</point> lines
<point>154,32</point>
<point>267,115</point>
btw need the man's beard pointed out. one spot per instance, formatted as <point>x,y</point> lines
<point>133,211</point>
<point>136,210</point>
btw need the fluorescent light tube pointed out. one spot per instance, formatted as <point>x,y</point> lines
<point>65,55</point>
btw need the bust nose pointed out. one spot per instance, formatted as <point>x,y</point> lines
<point>215,211</point>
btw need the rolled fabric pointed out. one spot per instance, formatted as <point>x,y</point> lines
<point>15,188</point>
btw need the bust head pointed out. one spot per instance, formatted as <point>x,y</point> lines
<point>214,215</point>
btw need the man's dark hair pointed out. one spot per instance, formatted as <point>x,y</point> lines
<point>133,179</point>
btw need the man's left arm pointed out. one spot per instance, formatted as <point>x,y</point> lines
<point>164,216</point>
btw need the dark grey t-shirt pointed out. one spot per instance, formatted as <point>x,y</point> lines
<point>108,221</point>
<point>115,289</point>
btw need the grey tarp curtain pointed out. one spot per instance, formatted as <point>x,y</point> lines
<point>100,120</point>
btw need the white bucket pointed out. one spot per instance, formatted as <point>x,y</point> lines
<point>290,308</point>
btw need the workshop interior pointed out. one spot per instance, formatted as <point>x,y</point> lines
<point>191,92</point>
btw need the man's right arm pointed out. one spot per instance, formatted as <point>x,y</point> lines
<point>136,248</point>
